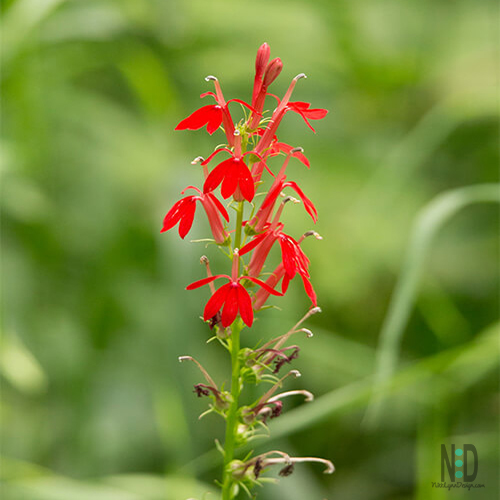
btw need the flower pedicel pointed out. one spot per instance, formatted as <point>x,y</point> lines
<point>231,306</point>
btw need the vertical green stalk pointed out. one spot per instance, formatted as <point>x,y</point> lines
<point>232,414</point>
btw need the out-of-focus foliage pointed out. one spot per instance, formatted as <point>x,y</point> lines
<point>95,405</point>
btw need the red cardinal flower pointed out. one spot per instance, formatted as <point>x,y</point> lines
<point>293,258</point>
<point>303,109</point>
<point>211,116</point>
<point>263,215</point>
<point>183,212</point>
<point>233,173</point>
<point>214,115</point>
<point>232,297</point>
<point>262,295</point>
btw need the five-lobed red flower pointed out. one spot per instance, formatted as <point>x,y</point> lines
<point>232,298</point>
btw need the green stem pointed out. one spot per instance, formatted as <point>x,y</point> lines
<point>239,223</point>
<point>232,414</point>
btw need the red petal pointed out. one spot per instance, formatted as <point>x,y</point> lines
<point>215,120</point>
<point>220,206</point>
<point>205,281</point>
<point>299,111</point>
<point>310,291</point>
<point>230,306</point>
<point>285,283</point>
<point>174,214</point>
<point>245,306</point>
<point>288,255</point>
<point>316,114</point>
<point>215,177</point>
<point>215,303</point>
<point>252,244</point>
<point>187,219</point>
<point>286,148</point>
<point>245,104</point>
<point>272,195</point>
<point>308,204</point>
<point>299,105</point>
<point>217,151</point>
<point>230,181</point>
<point>210,115</point>
<point>263,285</point>
<point>246,182</point>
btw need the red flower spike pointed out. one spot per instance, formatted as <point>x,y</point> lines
<point>210,115</point>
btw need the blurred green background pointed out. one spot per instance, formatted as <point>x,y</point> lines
<point>95,404</point>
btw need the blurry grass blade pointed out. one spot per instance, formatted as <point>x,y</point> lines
<point>20,367</point>
<point>429,222</point>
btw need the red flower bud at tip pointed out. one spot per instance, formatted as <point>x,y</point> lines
<point>262,58</point>
<point>272,71</point>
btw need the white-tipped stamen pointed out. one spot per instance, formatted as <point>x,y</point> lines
<point>299,76</point>
<point>310,233</point>
<point>198,159</point>
<point>309,396</point>
<point>208,378</point>
<point>297,150</point>
<point>292,199</point>
<point>211,78</point>
<point>308,332</point>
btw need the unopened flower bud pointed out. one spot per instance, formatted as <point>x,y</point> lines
<point>261,60</point>
<point>272,71</point>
